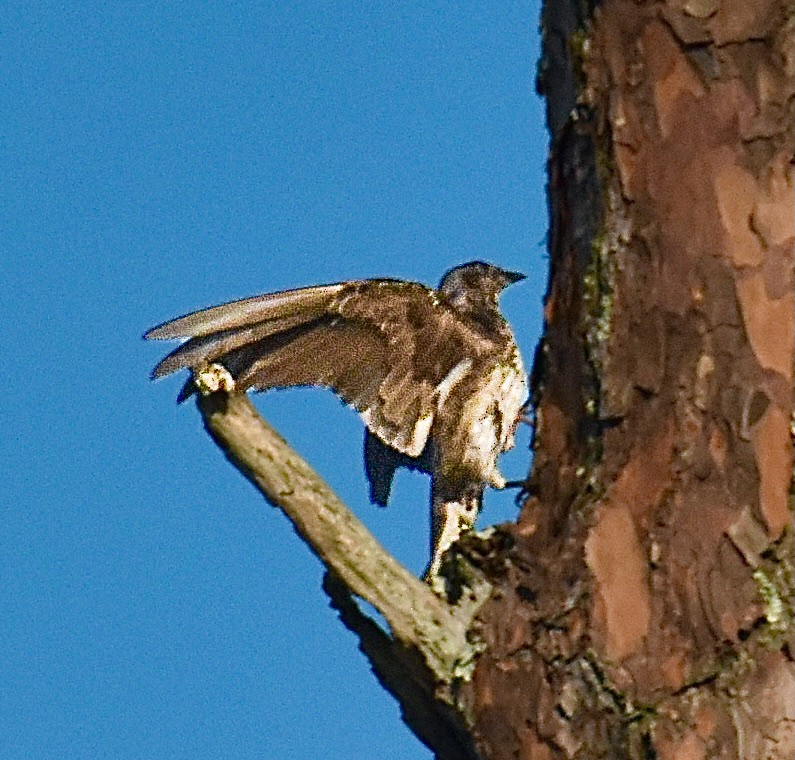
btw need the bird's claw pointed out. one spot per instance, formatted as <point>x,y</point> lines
<point>524,489</point>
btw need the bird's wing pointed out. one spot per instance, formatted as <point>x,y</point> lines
<point>388,348</point>
<point>248,311</point>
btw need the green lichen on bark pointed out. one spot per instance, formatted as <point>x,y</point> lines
<point>578,44</point>
<point>598,300</point>
<point>775,582</point>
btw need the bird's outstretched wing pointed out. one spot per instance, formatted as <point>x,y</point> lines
<point>388,348</point>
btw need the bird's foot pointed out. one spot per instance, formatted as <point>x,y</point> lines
<point>524,489</point>
<point>213,378</point>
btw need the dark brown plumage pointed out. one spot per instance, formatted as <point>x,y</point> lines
<point>435,374</point>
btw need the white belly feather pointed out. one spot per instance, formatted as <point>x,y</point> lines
<point>491,430</point>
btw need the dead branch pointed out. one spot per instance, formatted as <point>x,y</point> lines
<point>427,649</point>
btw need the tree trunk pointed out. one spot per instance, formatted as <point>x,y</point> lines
<point>645,609</point>
<point>641,607</point>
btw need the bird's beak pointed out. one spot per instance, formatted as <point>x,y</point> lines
<point>513,277</point>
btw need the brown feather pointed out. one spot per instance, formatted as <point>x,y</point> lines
<point>248,311</point>
<point>207,348</point>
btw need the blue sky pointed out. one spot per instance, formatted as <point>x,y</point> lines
<point>160,157</point>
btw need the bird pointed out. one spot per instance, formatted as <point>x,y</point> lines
<point>435,374</point>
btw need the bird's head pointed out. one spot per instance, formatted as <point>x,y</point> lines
<point>476,286</point>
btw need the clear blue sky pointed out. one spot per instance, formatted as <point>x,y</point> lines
<point>159,157</point>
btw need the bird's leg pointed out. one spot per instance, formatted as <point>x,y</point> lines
<point>454,509</point>
<point>525,417</point>
<point>496,480</point>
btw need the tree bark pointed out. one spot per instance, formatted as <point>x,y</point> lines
<point>641,606</point>
<point>645,608</point>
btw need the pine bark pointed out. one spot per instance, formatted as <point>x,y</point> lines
<point>644,607</point>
